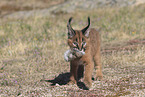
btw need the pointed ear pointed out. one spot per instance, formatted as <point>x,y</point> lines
<point>71,32</point>
<point>86,30</point>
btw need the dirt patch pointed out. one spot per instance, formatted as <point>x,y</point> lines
<point>7,7</point>
<point>130,45</point>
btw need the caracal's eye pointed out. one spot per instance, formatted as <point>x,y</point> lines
<point>84,44</point>
<point>75,44</point>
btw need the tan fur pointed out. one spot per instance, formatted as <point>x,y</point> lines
<point>92,56</point>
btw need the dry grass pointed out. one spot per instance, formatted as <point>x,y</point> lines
<point>32,49</point>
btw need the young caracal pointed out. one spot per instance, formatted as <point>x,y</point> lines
<point>88,41</point>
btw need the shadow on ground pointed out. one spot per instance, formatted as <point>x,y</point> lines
<point>63,79</point>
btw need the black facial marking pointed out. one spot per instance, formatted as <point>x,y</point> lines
<point>82,39</point>
<point>76,45</point>
<point>76,40</point>
<point>82,46</point>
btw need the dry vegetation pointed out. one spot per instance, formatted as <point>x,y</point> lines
<point>32,50</point>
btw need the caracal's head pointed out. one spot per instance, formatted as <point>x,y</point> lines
<point>78,39</point>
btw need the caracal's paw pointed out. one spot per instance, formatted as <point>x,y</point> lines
<point>88,84</point>
<point>99,76</point>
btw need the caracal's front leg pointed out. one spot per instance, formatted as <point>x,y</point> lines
<point>73,71</point>
<point>89,65</point>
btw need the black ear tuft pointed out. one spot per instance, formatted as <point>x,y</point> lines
<point>85,31</point>
<point>88,20</point>
<point>71,32</point>
<point>70,19</point>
